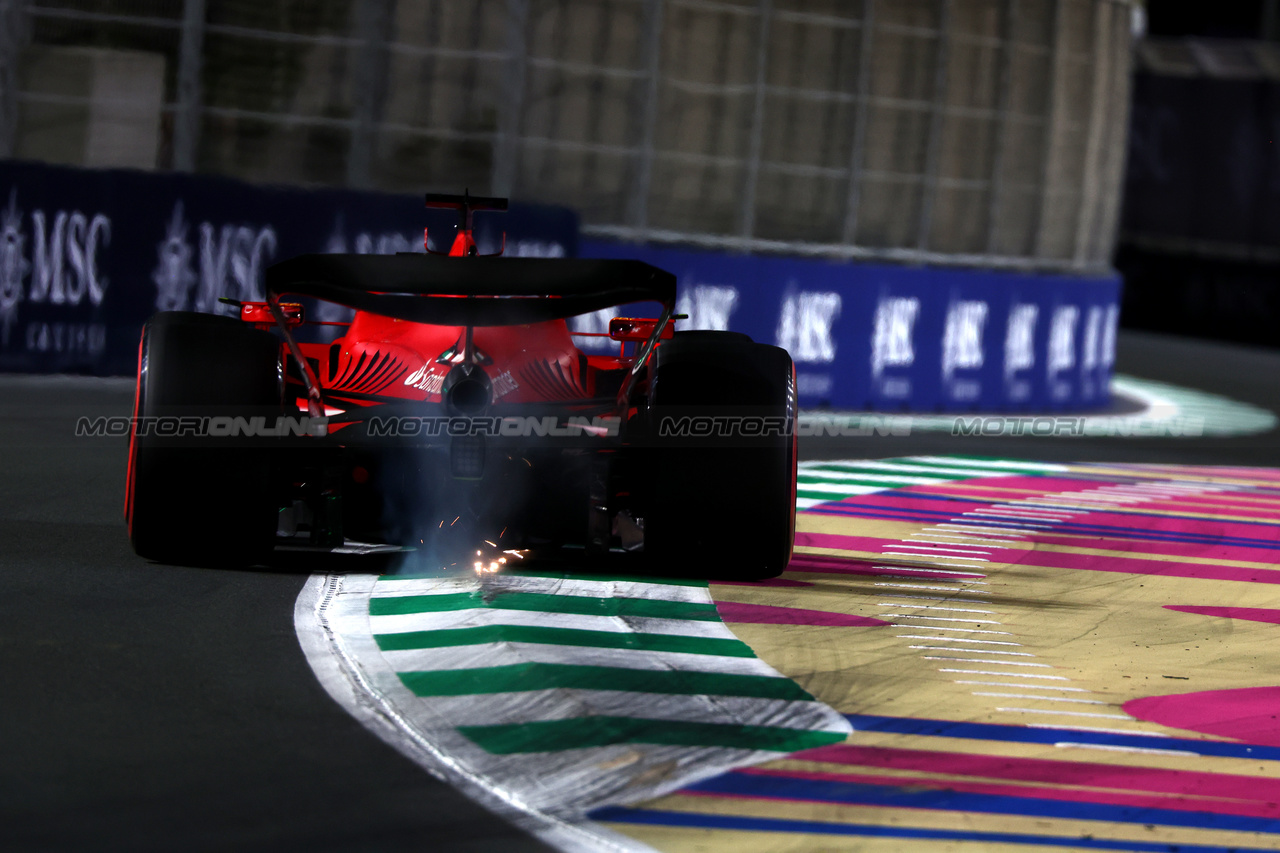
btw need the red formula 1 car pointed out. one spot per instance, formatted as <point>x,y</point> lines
<point>455,415</point>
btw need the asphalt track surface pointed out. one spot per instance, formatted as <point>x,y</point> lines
<point>151,707</point>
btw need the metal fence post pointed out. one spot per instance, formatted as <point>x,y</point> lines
<point>511,108</point>
<point>932,157</point>
<point>186,117</point>
<point>1091,174</point>
<point>1116,147</point>
<point>638,204</point>
<point>866,44</point>
<point>1052,127</point>
<point>373,29</point>
<point>14,34</point>
<point>1003,104</point>
<point>747,213</point>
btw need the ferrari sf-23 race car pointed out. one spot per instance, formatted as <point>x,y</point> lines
<point>454,415</point>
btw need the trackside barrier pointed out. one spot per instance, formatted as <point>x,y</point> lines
<point>901,338</point>
<point>87,255</point>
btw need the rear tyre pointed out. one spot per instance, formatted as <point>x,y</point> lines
<point>722,505</point>
<point>192,500</point>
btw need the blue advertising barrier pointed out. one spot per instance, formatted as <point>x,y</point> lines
<point>86,256</point>
<point>898,338</point>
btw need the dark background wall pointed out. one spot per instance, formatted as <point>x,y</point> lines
<point>1199,245</point>
<point>1237,19</point>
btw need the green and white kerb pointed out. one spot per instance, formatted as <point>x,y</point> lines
<point>544,696</point>
<point>819,482</point>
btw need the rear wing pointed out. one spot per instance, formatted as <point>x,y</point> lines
<point>425,288</point>
<point>464,242</point>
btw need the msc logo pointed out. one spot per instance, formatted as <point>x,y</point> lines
<point>1062,349</point>
<point>891,340</point>
<point>962,339</point>
<point>231,261</point>
<point>709,306</point>
<point>804,328</point>
<point>1019,339</point>
<point>63,265</point>
<point>962,347</point>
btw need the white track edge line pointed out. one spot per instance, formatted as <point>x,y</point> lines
<point>341,679</point>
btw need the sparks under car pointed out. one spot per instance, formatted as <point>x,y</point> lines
<point>454,414</point>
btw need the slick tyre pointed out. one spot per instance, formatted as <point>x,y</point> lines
<point>721,504</point>
<point>199,500</point>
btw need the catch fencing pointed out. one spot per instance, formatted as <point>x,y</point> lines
<point>971,132</point>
